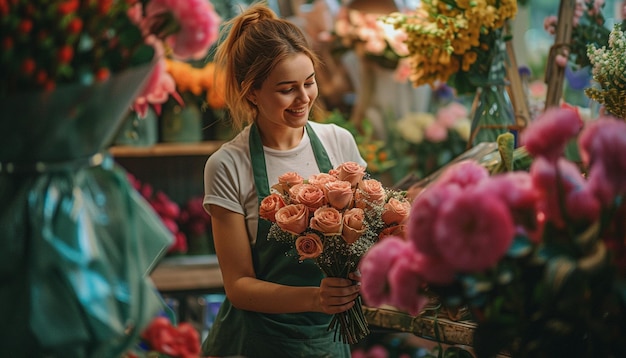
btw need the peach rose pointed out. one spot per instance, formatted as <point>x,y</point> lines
<point>353,225</point>
<point>395,211</point>
<point>293,218</point>
<point>339,194</point>
<point>270,205</point>
<point>308,194</point>
<point>290,179</point>
<point>370,192</point>
<point>309,246</point>
<point>395,230</point>
<point>321,179</point>
<point>287,181</point>
<point>351,172</point>
<point>327,220</point>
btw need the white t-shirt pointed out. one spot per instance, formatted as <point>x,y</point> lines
<point>229,180</point>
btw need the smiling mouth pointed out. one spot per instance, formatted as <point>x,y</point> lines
<point>297,111</point>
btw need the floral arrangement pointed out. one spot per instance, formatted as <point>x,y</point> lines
<point>434,139</point>
<point>195,222</point>
<point>198,81</point>
<point>587,28</point>
<point>379,41</point>
<point>334,218</point>
<point>87,41</point>
<point>453,41</point>
<point>168,211</point>
<point>162,339</point>
<point>608,62</point>
<point>538,257</point>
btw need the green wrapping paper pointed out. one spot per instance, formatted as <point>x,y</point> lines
<point>77,242</point>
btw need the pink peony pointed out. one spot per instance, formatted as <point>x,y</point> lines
<point>405,283</point>
<point>473,230</point>
<point>464,174</point>
<point>517,191</point>
<point>374,269</point>
<point>602,147</point>
<point>425,210</point>
<point>568,187</point>
<point>548,134</point>
<point>198,21</point>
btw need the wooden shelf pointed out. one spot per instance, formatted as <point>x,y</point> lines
<point>167,149</point>
<point>188,273</point>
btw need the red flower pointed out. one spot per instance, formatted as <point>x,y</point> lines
<point>182,341</point>
<point>68,7</point>
<point>75,26</point>
<point>65,54</point>
<point>25,26</point>
<point>28,66</point>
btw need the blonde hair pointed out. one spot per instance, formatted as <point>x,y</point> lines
<point>255,42</point>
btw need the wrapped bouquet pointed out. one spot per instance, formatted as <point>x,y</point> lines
<point>334,218</point>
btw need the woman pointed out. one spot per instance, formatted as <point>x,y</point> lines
<point>275,305</point>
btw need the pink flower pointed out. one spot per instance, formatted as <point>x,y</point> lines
<point>198,21</point>
<point>473,230</point>
<point>549,133</point>
<point>405,283</point>
<point>374,280</point>
<point>465,173</point>
<point>436,132</point>
<point>450,114</point>
<point>517,191</point>
<point>563,184</point>
<point>602,147</point>
<point>424,212</point>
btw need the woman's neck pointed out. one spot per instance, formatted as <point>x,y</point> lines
<point>280,137</point>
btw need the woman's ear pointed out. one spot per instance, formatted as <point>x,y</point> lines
<point>252,98</point>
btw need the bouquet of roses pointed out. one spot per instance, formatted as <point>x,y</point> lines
<point>334,218</point>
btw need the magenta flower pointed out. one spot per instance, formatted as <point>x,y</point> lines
<point>405,283</point>
<point>424,212</point>
<point>518,192</point>
<point>566,186</point>
<point>374,268</point>
<point>473,230</point>
<point>464,173</point>
<point>198,21</point>
<point>602,147</point>
<point>549,133</point>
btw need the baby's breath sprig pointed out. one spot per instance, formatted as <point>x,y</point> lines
<point>609,72</point>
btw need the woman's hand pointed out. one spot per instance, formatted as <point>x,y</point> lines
<point>338,294</point>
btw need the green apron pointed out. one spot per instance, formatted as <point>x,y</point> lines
<point>238,332</point>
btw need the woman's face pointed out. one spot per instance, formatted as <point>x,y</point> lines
<point>287,95</point>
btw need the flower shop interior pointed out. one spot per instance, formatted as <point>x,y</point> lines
<point>424,86</point>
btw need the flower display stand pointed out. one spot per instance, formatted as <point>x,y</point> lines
<point>428,328</point>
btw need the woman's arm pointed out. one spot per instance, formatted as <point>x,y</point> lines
<point>247,292</point>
